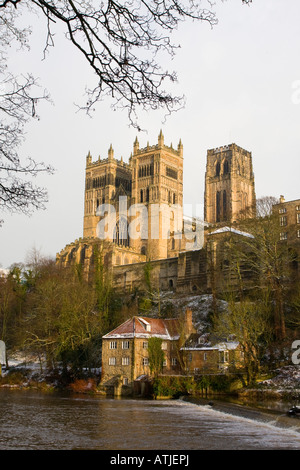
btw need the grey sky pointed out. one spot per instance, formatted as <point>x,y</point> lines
<point>241,80</point>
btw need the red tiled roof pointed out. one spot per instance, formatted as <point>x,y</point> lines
<point>136,326</point>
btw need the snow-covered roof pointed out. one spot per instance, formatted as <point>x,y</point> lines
<point>224,346</point>
<point>232,230</point>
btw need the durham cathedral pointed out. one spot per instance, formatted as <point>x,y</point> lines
<point>133,216</point>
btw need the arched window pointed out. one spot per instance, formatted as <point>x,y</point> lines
<point>143,250</point>
<point>141,197</point>
<point>218,168</point>
<point>225,167</point>
<point>224,205</point>
<point>121,232</point>
<point>147,195</point>
<point>218,206</point>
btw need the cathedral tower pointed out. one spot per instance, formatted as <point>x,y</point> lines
<point>157,183</point>
<point>151,184</point>
<point>105,179</point>
<point>229,185</point>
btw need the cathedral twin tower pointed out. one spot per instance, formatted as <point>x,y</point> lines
<point>154,178</point>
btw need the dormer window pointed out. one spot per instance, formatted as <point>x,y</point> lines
<point>145,324</point>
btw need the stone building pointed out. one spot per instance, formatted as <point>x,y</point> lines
<point>125,357</point>
<point>147,190</point>
<point>203,356</point>
<point>288,213</point>
<point>133,215</point>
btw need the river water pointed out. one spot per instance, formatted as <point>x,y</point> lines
<point>32,420</point>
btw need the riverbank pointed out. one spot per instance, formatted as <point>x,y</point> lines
<point>275,395</point>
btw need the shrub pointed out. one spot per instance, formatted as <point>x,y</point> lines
<point>83,386</point>
<point>172,386</point>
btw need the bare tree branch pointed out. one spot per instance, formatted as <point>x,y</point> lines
<point>120,41</point>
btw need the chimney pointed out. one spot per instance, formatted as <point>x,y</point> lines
<point>281,199</point>
<point>189,328</point>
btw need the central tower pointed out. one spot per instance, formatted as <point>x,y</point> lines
<point>152,184</point>
<point>157,183</point>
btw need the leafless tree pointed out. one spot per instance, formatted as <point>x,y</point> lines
<point>18,99</point>
<point>264,205</point>
<point>121,42</point>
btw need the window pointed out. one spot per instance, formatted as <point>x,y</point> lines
<point>125,344</point>
<point>165,363</point>
<point>164,345</point>
<point>223,356</point>
<point>145,344</point>
<point>112,361</point>
<point>145,361</point>
<point>171,173</point>
<point>218,206</point>
<point>298,233</point>
<point>205,356</point>
<point>283,236</point>
<point>297,208</point>
<point>145,324</point>
<point>282,211</point>
<point>298,218</point>
<point>113,345</point>
<point>224,204</point>
<point>225,167</point>
<point>190,357</point>
<point>125,381</point>
<point>125,361</point>
<point>174,361</point>
<point>120,235</point>
<point>283,221</point>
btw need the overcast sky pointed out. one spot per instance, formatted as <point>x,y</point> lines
<point>241,80</point>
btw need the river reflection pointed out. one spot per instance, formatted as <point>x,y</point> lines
<point>30,420</point>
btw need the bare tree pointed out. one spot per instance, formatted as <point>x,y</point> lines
<point>18,99</point>
<point>264,206</point>
<point>121,42</point>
